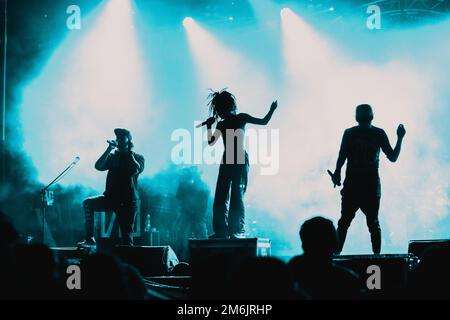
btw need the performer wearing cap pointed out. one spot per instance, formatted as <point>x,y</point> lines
<point>121,193</point>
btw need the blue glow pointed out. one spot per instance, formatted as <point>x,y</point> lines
<point>150,72</point>
<point>91,84</point>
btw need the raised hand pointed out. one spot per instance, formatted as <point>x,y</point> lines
<point>274,105</point>
<point>401,131</point>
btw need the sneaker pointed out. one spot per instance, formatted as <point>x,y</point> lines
<point>218,236</point>
<point>89,242</point>
<point>235,236</point>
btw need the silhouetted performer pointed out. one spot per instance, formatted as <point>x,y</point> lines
<point>315,271</point>
<point>121,194</point>
<point>362,189</point>
<point>233,172</point>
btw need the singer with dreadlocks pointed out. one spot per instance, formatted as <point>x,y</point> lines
<point>229,223</point>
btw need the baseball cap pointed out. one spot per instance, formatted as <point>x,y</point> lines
<point>122,132</point>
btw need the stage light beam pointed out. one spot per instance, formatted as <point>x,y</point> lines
<point>91,84</point>
<point>219,67</point>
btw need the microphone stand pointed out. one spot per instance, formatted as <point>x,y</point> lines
<point>44,194</point>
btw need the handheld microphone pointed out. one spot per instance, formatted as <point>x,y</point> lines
<point>202,124</point>
<point>112,143</point>
<point>331,175</point>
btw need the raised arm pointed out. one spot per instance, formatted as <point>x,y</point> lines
<point>102,163</point>
<point>393,154</point>
<point>261,121</point>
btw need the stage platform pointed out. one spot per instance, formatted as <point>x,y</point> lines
<point>212,260</point>
<point>410,259</point>
<point>260,247</point>
<point>73,255</point>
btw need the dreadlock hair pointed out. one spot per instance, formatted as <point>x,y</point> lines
<point>221,102</point>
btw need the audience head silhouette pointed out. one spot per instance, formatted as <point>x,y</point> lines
<point>319,237</point>
<point>315,271</point>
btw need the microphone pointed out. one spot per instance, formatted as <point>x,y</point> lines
<point>331,175</point>
<point>204,123</point>
<point>112,143</point>
<point>74,162</point>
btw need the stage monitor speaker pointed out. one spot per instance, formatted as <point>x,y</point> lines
<point>150,261</point>
<point>72,254</point>
<point>419,247</point>
<point>394,268</point>
<point>203,250</point>
<point>212,260</point>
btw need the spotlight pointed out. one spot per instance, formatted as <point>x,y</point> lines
<point>285,12</point>
<point>106,72</point>
<point>187,22</point>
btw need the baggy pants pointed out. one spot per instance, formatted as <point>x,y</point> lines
<point>125,212</point>
<point>228,207</point>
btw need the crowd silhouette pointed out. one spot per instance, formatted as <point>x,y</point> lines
<point>32,271</point>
